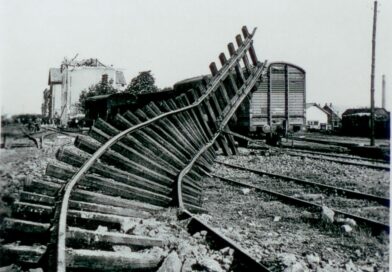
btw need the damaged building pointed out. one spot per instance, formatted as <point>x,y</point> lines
<point>60,99</point>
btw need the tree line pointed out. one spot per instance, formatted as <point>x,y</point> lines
<point>144,82</point>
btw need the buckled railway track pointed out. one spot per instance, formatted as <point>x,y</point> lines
<point>130,170</point>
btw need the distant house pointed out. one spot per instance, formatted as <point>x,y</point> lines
<point>316,117</point>
<point>67,82</point>
<point>356,122</point>
<point>334,119</point>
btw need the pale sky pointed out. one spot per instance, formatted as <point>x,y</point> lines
<point>178,39</point>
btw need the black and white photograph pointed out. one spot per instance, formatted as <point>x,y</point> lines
<point>180,136</point>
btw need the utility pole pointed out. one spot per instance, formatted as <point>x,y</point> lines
<point>372,75</point>
<point>383,97</point>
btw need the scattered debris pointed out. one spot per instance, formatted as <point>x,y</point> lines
<point>277,218</point>
<point>188,264</point>
<point>296,267</point>
<point>310,197</point>
<point>287,259</point>
<point>347,228</point>
<point>347,221</point>
<point>210,265</point>
<point>327,215</point>
<point>172,263</point>
<point>245,191</point>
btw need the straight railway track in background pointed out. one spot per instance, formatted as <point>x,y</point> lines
<point>337,158</point>
<point>127,171</point>
<point>340,156</point>
<point>376,226</point>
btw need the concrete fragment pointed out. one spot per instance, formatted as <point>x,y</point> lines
<point>227,251</point>
<point>245,191</point>
<point>347,221</point>
<point>347,228</point>
<point>120,248</point>
<point>327,215</point>
<point>367,268</point>
<point>102,229</point>
<point>277,218</point>
<point>197,235</point>
<point>351,222</point>
<point>313,197</point>
<point>172,263</point>
<point>152,233</point>
<point>187,265</point>
<point>296,267</point>
<point>36,270</point>
<point>184,249</point>
<point>287,259</point>
<point>202,250</point>
<point>313,258</point>
<point>350,266</point>
<point>210,265</point>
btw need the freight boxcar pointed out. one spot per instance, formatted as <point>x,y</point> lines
<point>279,101</point>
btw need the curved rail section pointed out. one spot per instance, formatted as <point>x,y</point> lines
<point>184,134</point>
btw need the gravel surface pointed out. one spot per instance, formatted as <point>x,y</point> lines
<point>273,232</point>
<point>288,238</point>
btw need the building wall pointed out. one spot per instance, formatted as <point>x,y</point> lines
<point>75,80</point>
<point>56,100</point>
<point>315,114</point>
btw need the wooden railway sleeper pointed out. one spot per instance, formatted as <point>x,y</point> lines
<point>180,122</point>
<point>170,129</point>
<point>133,155</point>
<point>184,123</point>
<point>122,123</point>
<point>161,145</point>
<point>190,123</point>
<point>117,160</point>
<point>163,128</point>
<point>238,69</point>
<point>200,116</point>
<point>211,155</point>
<point>72,158</point>
<point>103,132</point>
<point>168,122</point>
<point>134,120</point>
<point>185,133</point>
